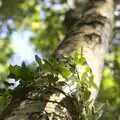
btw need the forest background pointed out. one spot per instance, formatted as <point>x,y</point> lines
<point>35,27</point>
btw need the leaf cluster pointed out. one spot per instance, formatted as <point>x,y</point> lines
<point>52,76</point>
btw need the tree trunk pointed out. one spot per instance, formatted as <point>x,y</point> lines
<point>88,27</point>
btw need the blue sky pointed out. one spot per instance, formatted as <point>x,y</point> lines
<point>24,50</point>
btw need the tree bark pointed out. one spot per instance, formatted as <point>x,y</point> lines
<point>89,28</point>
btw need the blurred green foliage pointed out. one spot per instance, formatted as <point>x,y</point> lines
<point>44,18</point>
<point>110,87</point>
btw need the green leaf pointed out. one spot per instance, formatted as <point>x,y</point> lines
<point>76,58</point>
<point>38,60</point>
<point>24,73</point>
<point>47,66</point>
<point>86,95</point>
<point>65,72</point>
<point>92,84</point>
<point>16,71</point>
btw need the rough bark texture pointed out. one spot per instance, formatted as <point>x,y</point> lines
<point>89,28</point>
